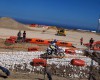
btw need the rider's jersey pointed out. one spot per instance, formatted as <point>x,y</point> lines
<point>52,47</point>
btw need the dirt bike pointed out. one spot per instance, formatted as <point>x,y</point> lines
<point>56,53</point>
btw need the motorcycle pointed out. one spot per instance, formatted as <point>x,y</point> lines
<point>56,52</point>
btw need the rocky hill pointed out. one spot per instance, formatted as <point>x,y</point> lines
<point>6,22</point>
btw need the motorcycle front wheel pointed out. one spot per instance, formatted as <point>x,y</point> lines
<point>61,54</point>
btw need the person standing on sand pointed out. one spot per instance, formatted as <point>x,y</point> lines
<point>24,36</point>
<point>19,36</point>
<point>48,71</point>
<point>91,41</point>
<point>81,41</point>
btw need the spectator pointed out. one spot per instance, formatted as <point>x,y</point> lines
<point>81,41</point>
<point>48,71</point>
<point>49,75</point>
<point>24,36</point>
<point>19,36</point>
<point>91,41</point>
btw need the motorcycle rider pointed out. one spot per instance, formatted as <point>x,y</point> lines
<point>52,47</point>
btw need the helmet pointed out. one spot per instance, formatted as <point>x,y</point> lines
<point>54,40</point>
<point>53,44</point>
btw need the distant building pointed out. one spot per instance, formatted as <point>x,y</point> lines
<point>98,29</point>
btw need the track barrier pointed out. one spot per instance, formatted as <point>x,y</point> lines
<point>28,39</point>
<point>77,62</point>
<point>33,49</point>
<point>13,37</point>
<point>64,44</point>
<point>38,62</point>
<point>41,41</point>
<point>10,40</point>
<point>10,47</point>
<point>70,51</point>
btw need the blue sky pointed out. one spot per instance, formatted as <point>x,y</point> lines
<point>64,12</point>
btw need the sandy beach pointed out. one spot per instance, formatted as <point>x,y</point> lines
<point>72,35</point>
